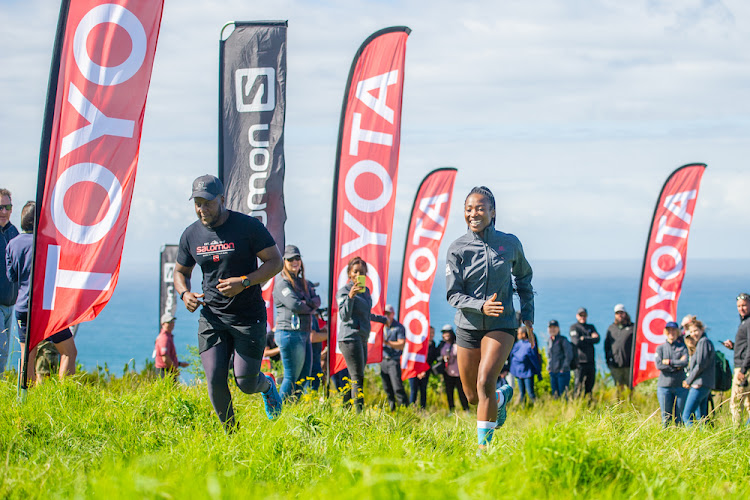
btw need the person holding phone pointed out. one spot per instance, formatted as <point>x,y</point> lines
<point>355,305</point>
<point>483,266</point>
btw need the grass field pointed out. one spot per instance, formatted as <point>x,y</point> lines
<point>96,436</point>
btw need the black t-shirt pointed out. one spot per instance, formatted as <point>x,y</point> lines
<point>227,251</point>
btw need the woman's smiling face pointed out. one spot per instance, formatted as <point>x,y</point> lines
<point>478,212</point>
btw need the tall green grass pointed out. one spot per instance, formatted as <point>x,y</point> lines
<point>95,436</point>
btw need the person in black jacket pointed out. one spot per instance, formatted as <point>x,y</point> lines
<point>584,336</point>
<point>418,383</point>
<point>618,345</point>
<point>741,346</point>
<point>559,360</point>
<point>484,269</point>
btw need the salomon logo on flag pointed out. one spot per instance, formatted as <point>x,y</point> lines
<point>255,89</point>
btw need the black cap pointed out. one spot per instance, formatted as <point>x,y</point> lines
<point>291,251</point>
<point>582,310</point>
<point>207,187</point>
<point>553,322</point>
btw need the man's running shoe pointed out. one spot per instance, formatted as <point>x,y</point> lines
<point>272,399</point>
<point>507,391</point>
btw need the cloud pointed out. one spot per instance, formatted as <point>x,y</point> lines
<point>573,112</point>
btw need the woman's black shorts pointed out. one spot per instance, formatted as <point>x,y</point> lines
<point>472,339</point>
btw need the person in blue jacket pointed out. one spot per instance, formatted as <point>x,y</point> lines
<point>484,269</point>
<point>524,365</point>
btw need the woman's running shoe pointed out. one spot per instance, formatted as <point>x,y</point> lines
<point>507,392</point>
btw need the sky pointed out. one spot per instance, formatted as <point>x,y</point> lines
<point>573,112</point>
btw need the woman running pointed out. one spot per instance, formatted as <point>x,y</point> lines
<point>480,286</point>
<point>296,303</point>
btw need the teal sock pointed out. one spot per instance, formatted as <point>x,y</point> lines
<point>485,430</point>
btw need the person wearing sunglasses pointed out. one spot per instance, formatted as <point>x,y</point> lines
<point>296,303</point>
<point>741,347</point>
<point>8,290</point>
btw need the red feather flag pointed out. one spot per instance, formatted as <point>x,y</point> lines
<point>429,217</point>
<point>96,101</point>
<point>364,189</point>
<point>664,266</point>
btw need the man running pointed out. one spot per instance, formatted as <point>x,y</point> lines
<point>226,246</point>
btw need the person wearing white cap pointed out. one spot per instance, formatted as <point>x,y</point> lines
<point>618,349</point>
<point>165,354</point>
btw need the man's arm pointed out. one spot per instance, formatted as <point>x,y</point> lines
<point>608,348</point>
<point>745,366</point>
<point>568,351</point>
<point>400,341</point>
<point>661,363</point>
<point>270,267</point>
<point>271,351</point>
<point>167,362</point>
<point>182,284</point>
<point>10,269</point>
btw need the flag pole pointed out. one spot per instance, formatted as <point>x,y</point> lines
<point>49,114</point>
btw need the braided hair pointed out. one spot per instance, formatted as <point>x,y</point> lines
<point>484,191</point>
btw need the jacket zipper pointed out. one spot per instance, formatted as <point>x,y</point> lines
<point>487,280</point>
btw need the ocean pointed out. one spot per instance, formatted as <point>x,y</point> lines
<point>125,331</point>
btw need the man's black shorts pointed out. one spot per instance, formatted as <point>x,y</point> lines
<point>472,339</point>
<point>248,339</point>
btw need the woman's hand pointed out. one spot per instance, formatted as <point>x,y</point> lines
<point>356,288</point>
<point>492,308</point>
<point>685,385</point>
